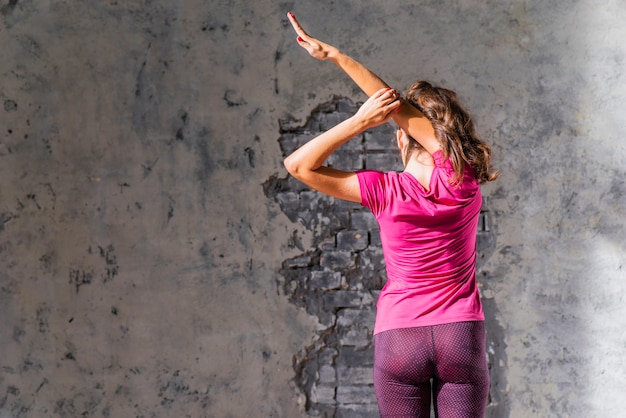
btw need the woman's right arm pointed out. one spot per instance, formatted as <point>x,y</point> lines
<point>408,118</point>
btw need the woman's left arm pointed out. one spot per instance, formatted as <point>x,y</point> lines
<point>306,163</point>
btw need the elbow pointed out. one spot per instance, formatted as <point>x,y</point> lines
<point>291,166</point>
<point>297,168</point>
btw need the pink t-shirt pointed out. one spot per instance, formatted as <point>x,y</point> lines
<point>429,243</point>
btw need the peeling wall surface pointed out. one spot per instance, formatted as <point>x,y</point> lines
<point>156,260</point>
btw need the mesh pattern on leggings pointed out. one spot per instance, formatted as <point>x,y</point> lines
<point>452,355</point>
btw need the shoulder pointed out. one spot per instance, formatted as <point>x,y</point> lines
<point>377,178</point>
<point>376,187</point>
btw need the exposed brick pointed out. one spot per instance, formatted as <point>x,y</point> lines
<point>296,185</point>
<point>355,357</point>
<point>381,139</point>
<point>323,393</point>
<point>370,272</point>
<point>346,160</point>
<point>345,207</point>
<point>363,220</point>
<point>300,261</point>
<point>313,200</point>
<point>288,201</point>
<point>383,161</point>
<point>355,376</point>
<point>329,120</point>
<point>368,410</point>
<point>342,299</point>
<point>289,143</point>
<point>362,317</point>
<point>328,244</point>
<point>352,240</point>
<point>305,137</point>
<point>336,260</point>
<point>327,355</point>
<point>313,125</point>
<point>373,258</point>
<point>346,106</point>
<point>325,280</point>
<point>327,374</point>
<point>356,337</point>
<point>356,395</point>
<point>375,238</point>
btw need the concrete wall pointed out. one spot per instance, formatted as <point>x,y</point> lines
<point>142,255</point>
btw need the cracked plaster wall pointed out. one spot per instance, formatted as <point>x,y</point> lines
<point>140,258</point>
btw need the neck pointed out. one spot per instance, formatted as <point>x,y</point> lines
<point>422,158</point>
<point>420,165</point>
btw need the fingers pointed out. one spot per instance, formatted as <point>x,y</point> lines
<point>390,102</point>
<point>396,105</point>
<point>296,26</point>
<point>388,96</point>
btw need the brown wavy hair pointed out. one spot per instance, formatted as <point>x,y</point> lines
<point>454,129</point>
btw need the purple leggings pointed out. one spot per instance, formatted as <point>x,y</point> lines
<point>452,355</point>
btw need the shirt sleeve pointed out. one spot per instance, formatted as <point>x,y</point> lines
<point>373,193</point>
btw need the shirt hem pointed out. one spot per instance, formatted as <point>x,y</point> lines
<point>427,323</point>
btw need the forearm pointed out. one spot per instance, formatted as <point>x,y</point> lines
<point>361,75</point>
<point>408,117</point>
<point>313,154</point>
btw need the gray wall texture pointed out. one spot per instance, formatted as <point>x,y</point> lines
<point>156,260</point>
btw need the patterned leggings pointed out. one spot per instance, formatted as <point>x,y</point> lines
<point>452,355</point>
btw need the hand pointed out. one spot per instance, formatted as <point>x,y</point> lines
<point>314,47</point>
<point>379,108</point>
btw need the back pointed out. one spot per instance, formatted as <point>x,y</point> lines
<point>429,242</point>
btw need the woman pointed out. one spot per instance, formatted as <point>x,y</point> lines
<point>429,334</point>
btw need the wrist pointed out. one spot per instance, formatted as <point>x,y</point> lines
<point>358,124</point>
<point>334,54</point>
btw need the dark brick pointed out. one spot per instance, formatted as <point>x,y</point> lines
<point>327,107</point>
<point>337,260</point>
<point>375,238</point>
<point>370,272</point>
<point>289,201</point>
<point>356,144</point>
<point>369,410</point>
<point>363,219</point>
<point>382,139</point>
<point>362,317</point>
<point>350,356</point>
<point>345,207</point>
<point>355,337</point>
<point>346,160</point>
<point>356,395</point>
<point>296,185</point>
<point>373,257</point>
<point>355,376</point>
<point>323,393</point>
<point>310,219</point>
<point>325,280</point>
<point>288,143</point>
<point>342,299</point>
<point>329,120</point>
<point>314,201</point>
<point>346,106</point>
<point>327,374</point>
<point>383,161</point>
<point>352,240</point>
<point>328,244</point>
<point>300,261</point>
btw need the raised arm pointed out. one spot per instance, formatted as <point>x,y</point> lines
<point>306,163</point>
<point>408,118</point>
